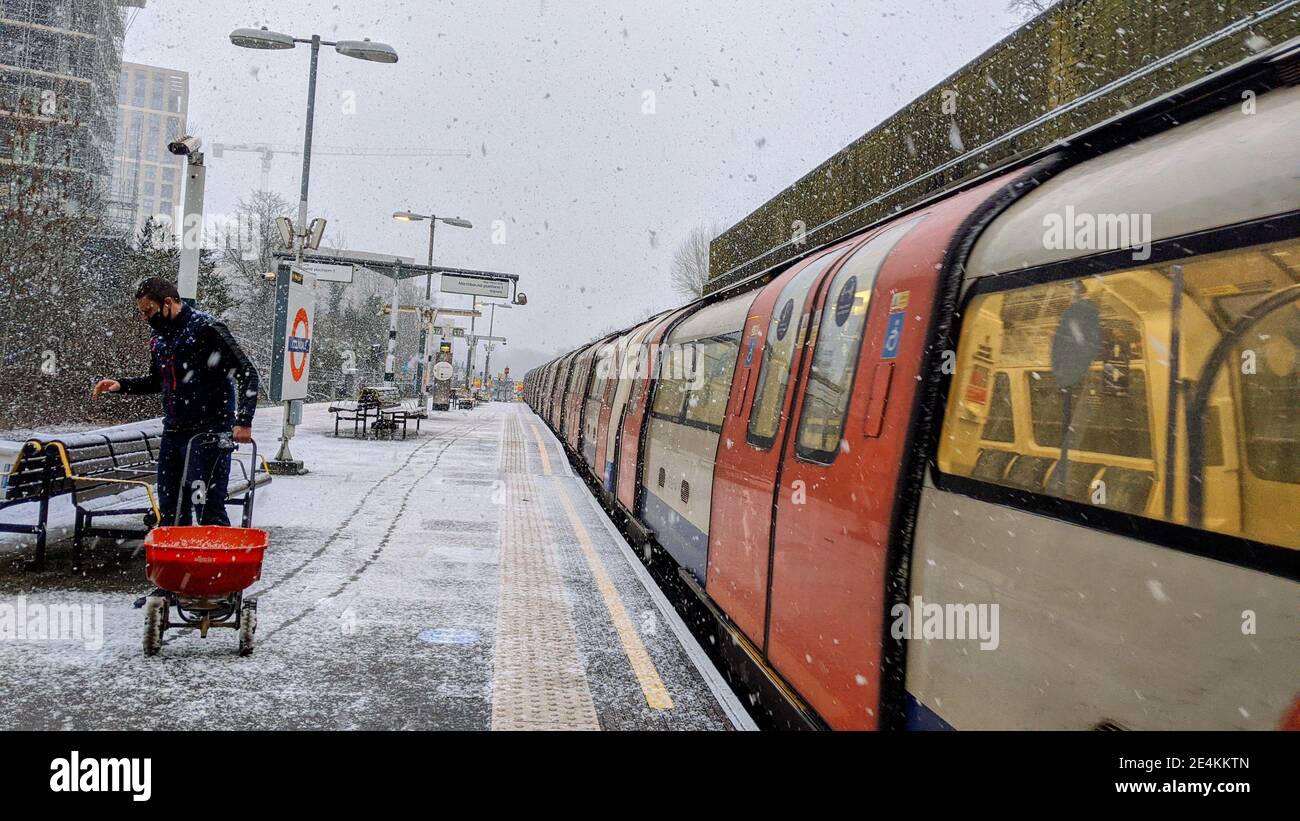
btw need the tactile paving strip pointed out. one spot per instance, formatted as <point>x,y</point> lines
<point>539,682</point>
<point>514,458</point>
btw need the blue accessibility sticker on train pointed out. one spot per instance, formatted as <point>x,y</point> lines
<point>893,335</point>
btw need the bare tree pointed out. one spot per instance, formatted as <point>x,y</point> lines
<point>249,245</point>
<point>1029,9</point>
<point>690,267</point>
<point>66,317</point>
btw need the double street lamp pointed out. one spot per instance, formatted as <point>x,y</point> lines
<point>274,40</point>
<point>357,49</point>
<point>434,219</point>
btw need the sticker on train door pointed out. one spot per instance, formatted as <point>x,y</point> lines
<point>893,335</point>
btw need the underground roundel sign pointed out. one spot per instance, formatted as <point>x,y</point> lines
<point>442,371</point>
<point>296,300</point>
<point>299,345</point>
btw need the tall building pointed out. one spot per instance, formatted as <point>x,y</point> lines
<point>59,62</point>
<point>152,106</point>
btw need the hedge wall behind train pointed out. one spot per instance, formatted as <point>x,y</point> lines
<point>952,131</point>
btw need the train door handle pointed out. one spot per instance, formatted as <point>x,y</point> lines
<point>881,381</point>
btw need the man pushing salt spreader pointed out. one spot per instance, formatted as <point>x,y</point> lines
<point>194,363</point>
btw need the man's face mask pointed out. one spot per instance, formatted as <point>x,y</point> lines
<point>159,321</point>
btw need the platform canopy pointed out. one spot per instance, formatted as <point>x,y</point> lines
<point>392,267</point>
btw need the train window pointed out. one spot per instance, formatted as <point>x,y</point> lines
<point>636,363</point>
<point>675,368</point>
<point>1001,426</point>
<point>706,404</point>
<point>1105,421</point>
<point>1087,408</point>
<point>596,381</point>
<point>838,347</point>
<point>1271,397</point>
<point>783,334</point>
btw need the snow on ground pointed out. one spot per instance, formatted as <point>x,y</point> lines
<point>378,604</point>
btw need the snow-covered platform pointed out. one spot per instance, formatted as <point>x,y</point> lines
<point>461,579</point>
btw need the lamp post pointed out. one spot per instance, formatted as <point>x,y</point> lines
<point>434,219</point>
<point>491,345</point>
<point>356,49</point>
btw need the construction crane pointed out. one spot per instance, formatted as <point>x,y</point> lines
<point>269,150</point>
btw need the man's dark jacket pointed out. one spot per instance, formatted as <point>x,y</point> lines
<point>194,360</point>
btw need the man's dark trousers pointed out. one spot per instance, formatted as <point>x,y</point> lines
<point>209,464</point>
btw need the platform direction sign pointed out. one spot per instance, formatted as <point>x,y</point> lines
<point>475,285</point>
<point>325,272</point>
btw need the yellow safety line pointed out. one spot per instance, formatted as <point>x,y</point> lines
<point>656,694</point>
<point>68,474</point>
<point>541,449</point>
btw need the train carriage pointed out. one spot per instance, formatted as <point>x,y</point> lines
<point>687,407</point>
<point>1060,404</point>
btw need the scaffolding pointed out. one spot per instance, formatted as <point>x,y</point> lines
<point>59,66</point>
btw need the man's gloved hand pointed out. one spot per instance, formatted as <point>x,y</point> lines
<point>243,434</point>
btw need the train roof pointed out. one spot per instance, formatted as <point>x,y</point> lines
<point>1225,168</point>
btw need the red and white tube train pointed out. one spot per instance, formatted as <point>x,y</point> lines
<point>1024,456</point>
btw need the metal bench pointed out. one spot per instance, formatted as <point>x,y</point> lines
<point>350,410</point>
<point>97,470</point>
<point>402,414</point>
<point>377,411</point>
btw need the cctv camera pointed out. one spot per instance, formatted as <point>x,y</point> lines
<point>185,146</point>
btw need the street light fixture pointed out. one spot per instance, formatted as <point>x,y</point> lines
<point>411,216</point>
<point>261,38</point>
<point>366,50</point>
<point>264,39</point>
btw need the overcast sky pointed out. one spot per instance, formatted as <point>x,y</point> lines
<point>548,98</point>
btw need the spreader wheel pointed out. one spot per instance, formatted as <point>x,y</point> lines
<point>247,627</point>
<point>155,611</point>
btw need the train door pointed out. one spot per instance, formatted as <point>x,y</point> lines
<point>591,401</point>
<point>562,394</point>
<point>842,463</point>
<point>631,358</point>
<point>556,392</point>
<point>634,412</point>
<point>582,377</point>
<point>607,372</point>
<point>745,474</point>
